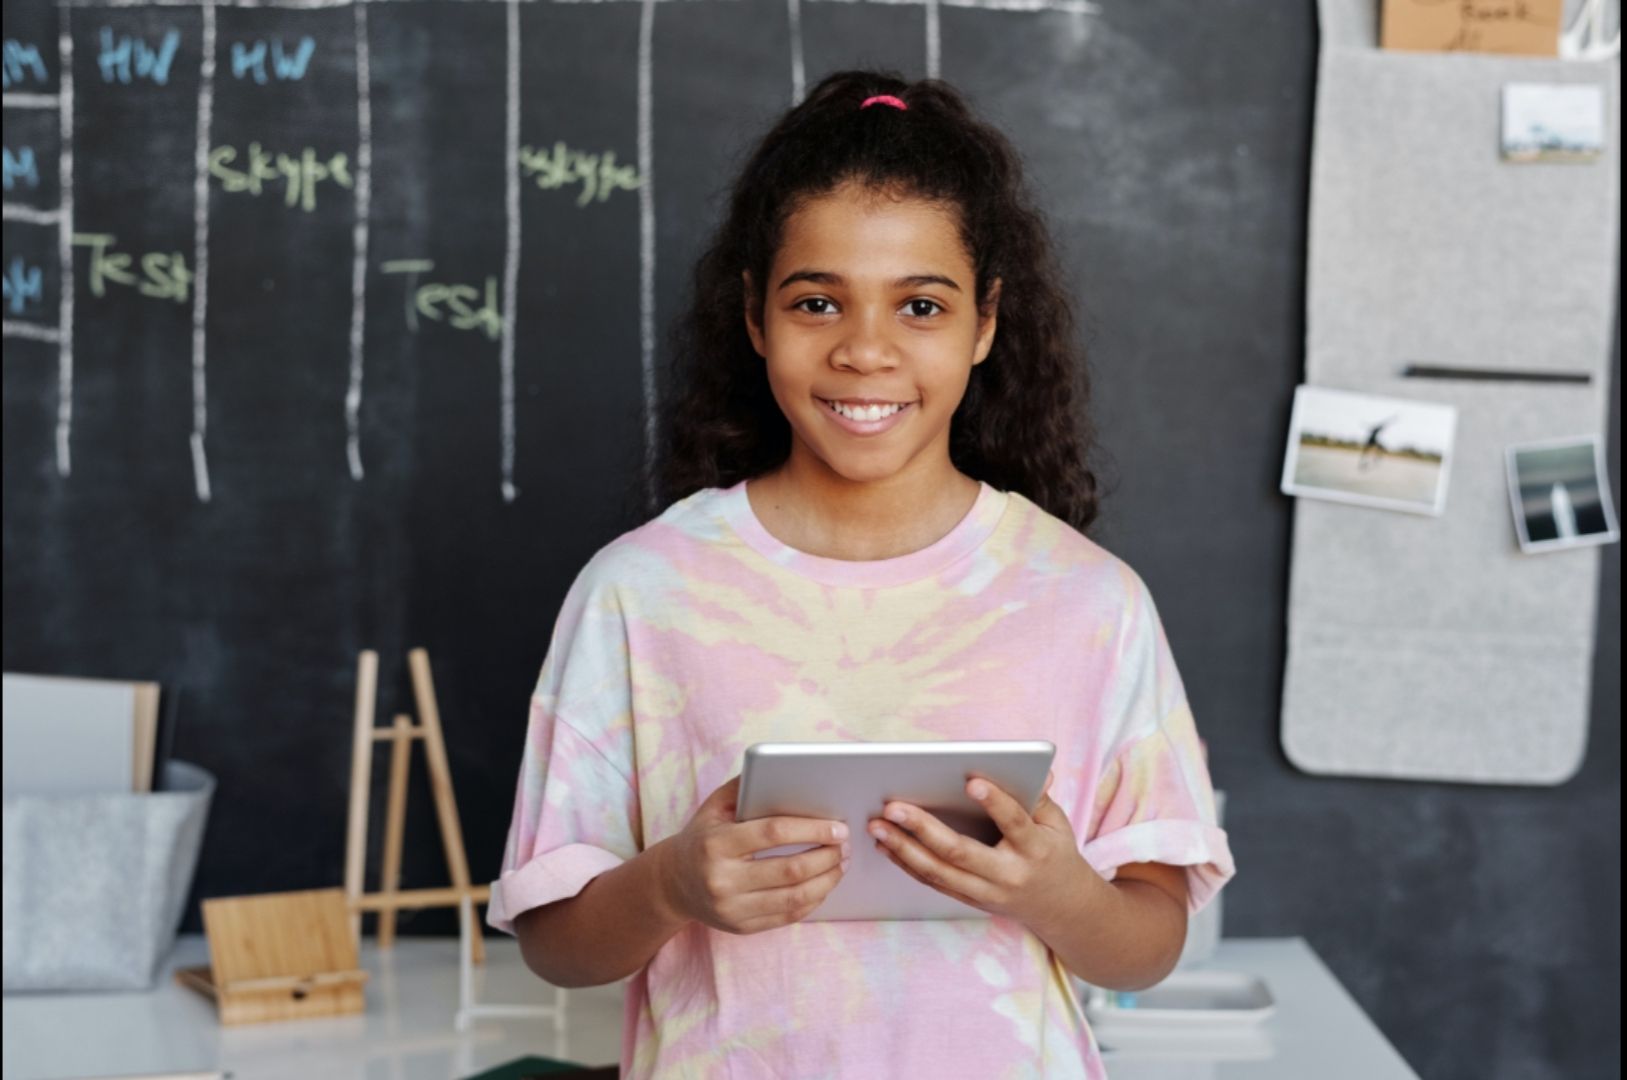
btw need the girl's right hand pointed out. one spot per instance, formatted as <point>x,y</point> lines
<point>708,873</point>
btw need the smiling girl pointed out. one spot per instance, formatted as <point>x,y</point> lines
<point>873,461</point>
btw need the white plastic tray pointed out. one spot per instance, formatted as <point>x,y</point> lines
<point>1208,1001</point>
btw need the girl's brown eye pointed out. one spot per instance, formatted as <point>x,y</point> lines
<point>936,308</point>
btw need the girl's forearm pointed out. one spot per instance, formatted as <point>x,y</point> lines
<point>606,932</point>
<point>1121,935</point>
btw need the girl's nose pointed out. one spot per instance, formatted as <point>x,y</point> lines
<point>865,349</point>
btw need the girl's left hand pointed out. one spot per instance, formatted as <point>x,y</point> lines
<point>1035,874</point>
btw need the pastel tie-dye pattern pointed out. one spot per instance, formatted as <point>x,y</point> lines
<point>684,641</point>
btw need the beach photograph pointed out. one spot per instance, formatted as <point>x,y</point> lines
<point>1389,453</point>
<point>1546,122</point>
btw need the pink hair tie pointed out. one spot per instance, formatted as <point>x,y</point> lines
<point>885,99</point>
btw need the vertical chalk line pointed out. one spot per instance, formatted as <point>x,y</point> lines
<point>646,237</point>
<point>64,247</point>
<point>799,76</point>
<point>200,252</point>
<point>934,48</point>
<point>511,248</point>
<point>359,237</point>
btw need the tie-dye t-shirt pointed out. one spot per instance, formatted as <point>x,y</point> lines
<point>689,638</point>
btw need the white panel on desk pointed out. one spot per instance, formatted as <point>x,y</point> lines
<point>68,736</point>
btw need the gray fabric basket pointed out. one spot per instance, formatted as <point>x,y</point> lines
<point>95,885</point>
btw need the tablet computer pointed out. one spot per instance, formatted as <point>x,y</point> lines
<point>852,781</point>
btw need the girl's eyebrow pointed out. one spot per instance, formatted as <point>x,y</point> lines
<point>826,277</point>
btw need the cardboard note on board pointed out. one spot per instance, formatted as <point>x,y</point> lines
<point>1518,27</point>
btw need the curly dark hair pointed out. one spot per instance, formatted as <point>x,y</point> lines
<point>1023,423</point>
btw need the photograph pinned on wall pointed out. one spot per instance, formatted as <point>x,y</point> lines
<point>1561,122</point>
<point>1390,453</point>
<point>1560,494</point>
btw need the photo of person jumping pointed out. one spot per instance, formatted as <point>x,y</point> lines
<point>1363,448</point>
<point>1363,463</point>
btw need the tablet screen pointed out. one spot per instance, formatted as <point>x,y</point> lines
<point>853,781</point>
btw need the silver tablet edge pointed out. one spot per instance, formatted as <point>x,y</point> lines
<point>947,746</point>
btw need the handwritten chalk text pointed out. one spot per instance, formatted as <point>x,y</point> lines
<point>250,60</point>
<point>125,59</point>
<point>21,64</point>
<point>561,166</point>
<point>20,168</point>
<point>24,287</point>
<point>162,277</point>
<point>300,174</point>
<point>461,306</point>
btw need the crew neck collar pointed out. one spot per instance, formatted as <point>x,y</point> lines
<point>972,530</point>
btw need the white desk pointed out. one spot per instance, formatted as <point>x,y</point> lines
<point>407,1032</point>
<point>1317,1031</point>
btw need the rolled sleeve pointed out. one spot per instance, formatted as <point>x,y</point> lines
<point>1153,800</point>
<point>1155,803</point>
<point>575,816</point>
<point>576,806</point>
<point>553,875</point>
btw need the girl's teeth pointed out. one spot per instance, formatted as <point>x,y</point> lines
<point>865,412</point>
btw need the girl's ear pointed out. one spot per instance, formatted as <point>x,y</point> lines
<point>991,308</point>
<point>753,313</point>
<point>986,319</point>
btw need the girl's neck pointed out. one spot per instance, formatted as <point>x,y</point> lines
<point>820,513</point>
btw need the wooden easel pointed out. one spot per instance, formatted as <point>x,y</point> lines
<point>391,898</point>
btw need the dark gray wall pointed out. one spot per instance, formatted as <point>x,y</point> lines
<point>1478,926</point>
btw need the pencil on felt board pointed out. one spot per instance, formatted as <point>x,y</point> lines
<point>1436,371</point>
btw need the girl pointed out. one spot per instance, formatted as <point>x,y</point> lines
<point>876,532</point>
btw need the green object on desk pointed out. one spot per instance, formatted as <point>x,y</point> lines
<point>520,1068</point>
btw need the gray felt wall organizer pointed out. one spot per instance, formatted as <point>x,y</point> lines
<point>1431,648</point>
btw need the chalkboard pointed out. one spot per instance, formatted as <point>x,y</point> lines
<point>332,326</point>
